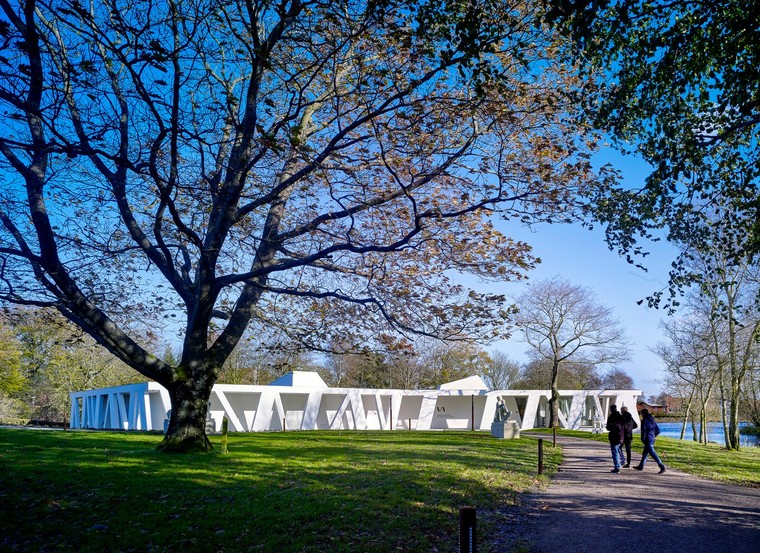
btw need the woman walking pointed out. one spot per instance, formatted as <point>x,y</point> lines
<point>649,432</point>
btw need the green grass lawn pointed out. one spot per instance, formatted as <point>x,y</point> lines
<point>276,492</point>
<point>283,492</point>
<point>709,461</point>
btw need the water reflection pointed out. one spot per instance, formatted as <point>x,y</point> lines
<point>714,433</point>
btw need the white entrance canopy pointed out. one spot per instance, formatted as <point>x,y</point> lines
<point>302,401</point>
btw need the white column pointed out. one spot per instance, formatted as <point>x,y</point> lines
<point>229,412</point>
<point>74,419</point>
<point>311,410</point>
<point>427,410</point>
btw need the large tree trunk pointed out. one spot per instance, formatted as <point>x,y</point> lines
<point>733,415</point>
<point>187,423</point>
<point>703,425</point>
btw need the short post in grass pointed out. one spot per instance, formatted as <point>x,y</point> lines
<point>472,413</point>
<point>467,523</point>
<point>390,413</point>
<point>225,423</point>
<point>540,456</point>
<point>554,436</point>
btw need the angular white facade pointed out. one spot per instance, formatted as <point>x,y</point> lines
<point>299,401</point>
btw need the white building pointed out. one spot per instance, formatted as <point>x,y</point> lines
<point>302,401</point>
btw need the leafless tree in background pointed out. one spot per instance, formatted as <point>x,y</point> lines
<point>563,322</point>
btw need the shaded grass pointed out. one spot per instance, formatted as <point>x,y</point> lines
<point>708,461</point>
<point>279,492</point>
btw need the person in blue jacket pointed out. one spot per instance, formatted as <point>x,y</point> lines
<point>649,432</point>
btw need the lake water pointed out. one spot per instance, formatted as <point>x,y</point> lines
<point>714,433</point>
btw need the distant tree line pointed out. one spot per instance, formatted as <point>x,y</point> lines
<point>43,358</point>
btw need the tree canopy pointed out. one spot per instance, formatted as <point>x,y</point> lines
<point>202,167</point>
<point>679,85</point>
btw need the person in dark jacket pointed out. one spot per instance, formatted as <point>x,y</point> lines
<point>630,426</point>
<point>616,428</point>
<point>649,432</point>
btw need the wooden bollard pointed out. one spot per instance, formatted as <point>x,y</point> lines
<point>554,436</point>
<point>467,535</point>
<point>540,456</point>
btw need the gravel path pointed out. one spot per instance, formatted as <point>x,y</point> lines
<point>588,509</point>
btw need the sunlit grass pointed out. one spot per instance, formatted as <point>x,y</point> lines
<point>279,492</point>
<point>709,461</point>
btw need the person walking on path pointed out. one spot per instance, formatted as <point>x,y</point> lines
<point>630,426</point>
<point>649,432</point>
<point>616,428</point>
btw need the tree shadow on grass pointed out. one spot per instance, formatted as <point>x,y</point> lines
<point>307,491</point>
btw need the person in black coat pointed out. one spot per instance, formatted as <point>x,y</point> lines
<point>616,428</point>
<point>630,426</point>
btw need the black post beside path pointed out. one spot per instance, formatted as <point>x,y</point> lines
<point>467,522</point>
<point>540,456</point>
<point>554,436</point>
<point>472,413</point>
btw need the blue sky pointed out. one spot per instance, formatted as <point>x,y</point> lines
<point>583,257</point>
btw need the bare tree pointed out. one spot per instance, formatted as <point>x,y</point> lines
<point>617,379</point>
<point>501,372</point>
<point>445,362</point>
<point>689,355</point>
<point>722,288</point>
<point>366,369</point>
<point>751,394</point>
<point>537,374</point>
<point>251,363</point>
<point>563,322</point>
<point>728,297</point>
<point>194,166</point>
<point>404,365</point>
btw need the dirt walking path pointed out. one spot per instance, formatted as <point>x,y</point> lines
<point>588,509</point>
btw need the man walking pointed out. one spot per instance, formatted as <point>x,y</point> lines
<point>616,428</point>
<point>630,426</point>
<point>649,432</point>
